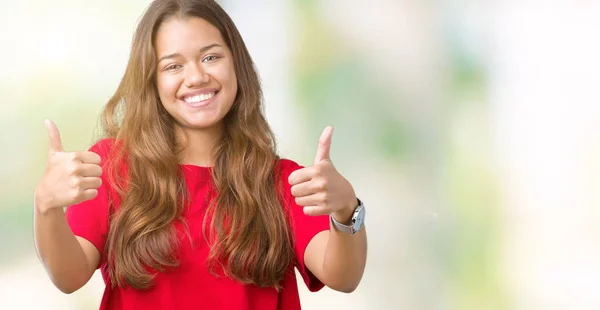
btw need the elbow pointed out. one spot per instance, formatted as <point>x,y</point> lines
<point>343,281</point>
<point>348,288</point>
<point>344,285</point>
<point>67,281</point>
<point>67,288</point>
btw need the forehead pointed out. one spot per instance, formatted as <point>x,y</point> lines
<point>177,34</point>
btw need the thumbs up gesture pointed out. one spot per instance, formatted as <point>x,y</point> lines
<point>321,189</point>
<point>69,178</point>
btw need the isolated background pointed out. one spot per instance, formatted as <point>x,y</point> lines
<point>471,129</point>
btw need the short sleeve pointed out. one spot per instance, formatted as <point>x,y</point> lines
<point>89,219</point>
<point>304,227</point>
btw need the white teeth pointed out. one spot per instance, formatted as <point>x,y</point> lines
<point>199,98</point>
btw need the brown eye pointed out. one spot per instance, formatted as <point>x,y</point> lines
<point>172,67</point>
<point>210,58</point>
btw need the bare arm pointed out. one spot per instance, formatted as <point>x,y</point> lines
<point>70,178</point>
<point>70,261</point>
<point>337,259</point>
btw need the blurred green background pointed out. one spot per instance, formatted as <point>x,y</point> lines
<point>470,129</point>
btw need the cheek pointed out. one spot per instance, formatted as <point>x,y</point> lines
<point>226,76</point>
<point>234,85</point>
<point>232,82</point>
<point>167,88</point>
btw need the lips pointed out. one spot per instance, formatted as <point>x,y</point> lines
<point>199,98</point>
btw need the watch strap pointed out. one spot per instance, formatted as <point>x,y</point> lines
<point>354,227</point>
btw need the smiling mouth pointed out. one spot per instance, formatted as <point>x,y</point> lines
<point>200,100</point>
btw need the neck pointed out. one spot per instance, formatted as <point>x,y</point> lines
<point>198,145</point>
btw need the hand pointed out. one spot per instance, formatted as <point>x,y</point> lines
<point>69,178</point>
<point>321,189</point>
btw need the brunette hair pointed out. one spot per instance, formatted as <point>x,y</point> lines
<point>249,233</point>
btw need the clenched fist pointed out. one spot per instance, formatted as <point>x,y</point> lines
<point>69,178</point>
<point>321,189</point>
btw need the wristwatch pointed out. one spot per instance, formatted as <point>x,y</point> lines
<point>358,218</point>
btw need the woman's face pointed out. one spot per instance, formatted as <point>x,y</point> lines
<point>195,75</point>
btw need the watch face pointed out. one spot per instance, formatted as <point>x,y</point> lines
<point>359,218</point>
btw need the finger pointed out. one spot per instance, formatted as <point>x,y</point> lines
<point>324,146</point>
<point>315,211</point>
<point>302,175</point>
<point>55,144</point>
<point>89,158</point>
<point>308,188</point>
<point>91,183</point>
<point>89,194</point>
<point>89,170</point>
<point>311,200</point>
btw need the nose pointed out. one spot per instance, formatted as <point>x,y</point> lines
<point>195,76</point>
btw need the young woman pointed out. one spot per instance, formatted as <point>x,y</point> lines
<point>185,204</point>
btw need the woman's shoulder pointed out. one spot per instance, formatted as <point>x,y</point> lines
<point>287,166</point>
<point>104,147</point>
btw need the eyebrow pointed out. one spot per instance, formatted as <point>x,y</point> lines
<point>202,50</point>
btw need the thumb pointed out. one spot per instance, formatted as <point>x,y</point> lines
<point>324,145</point>
<point>55,144</point>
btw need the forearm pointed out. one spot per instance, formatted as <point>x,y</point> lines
<point>345,259</point>
<point>58,249</point>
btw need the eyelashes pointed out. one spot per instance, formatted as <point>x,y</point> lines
<point>207,59</point>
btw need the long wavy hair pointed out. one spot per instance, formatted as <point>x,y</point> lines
<point>249,231</point>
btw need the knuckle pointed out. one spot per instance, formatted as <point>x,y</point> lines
<point>75,182</point>
<point>325,199</point>
<point>73,168</point>
<point>322,184</point>
<point>75,194</point>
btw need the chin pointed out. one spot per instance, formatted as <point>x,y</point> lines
<point>201,125</point>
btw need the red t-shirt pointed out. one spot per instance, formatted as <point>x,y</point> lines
<point>191,285</point>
